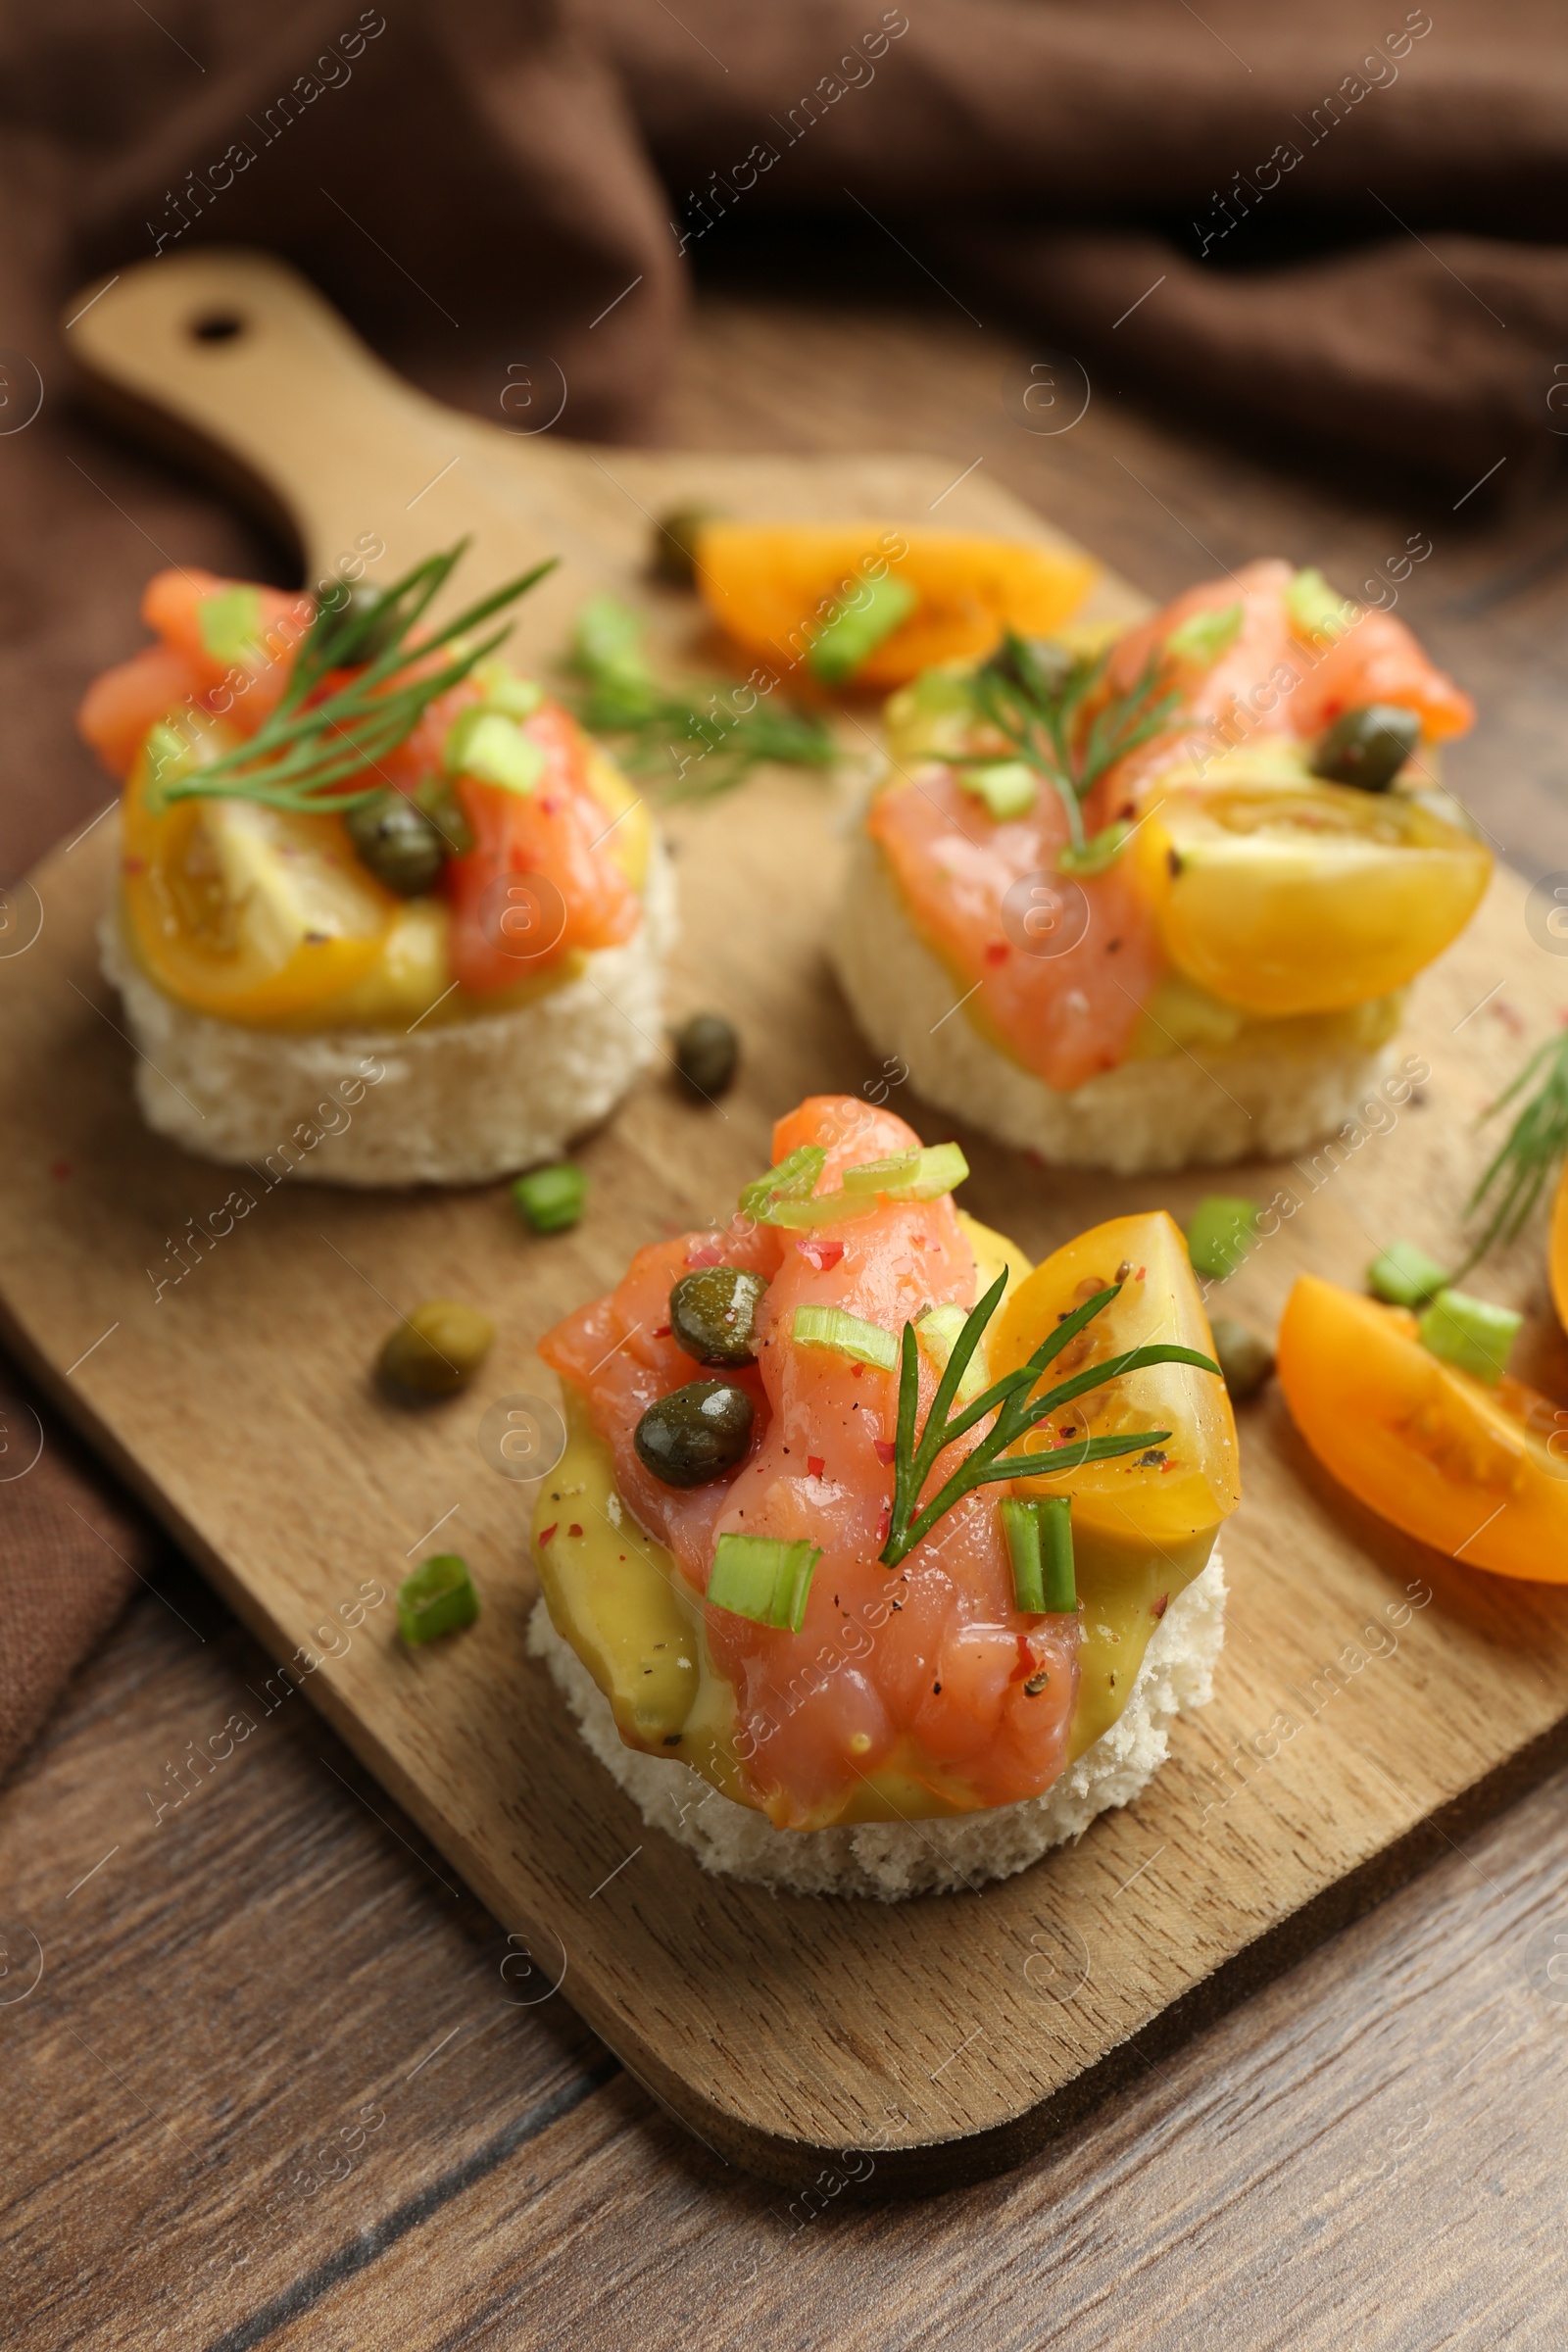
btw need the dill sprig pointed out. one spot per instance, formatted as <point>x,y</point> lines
<point>1035,696</point>
<point>1529,1154</point>
<point>1009,1400</point>
<point>708,747</point>
<point>305,751</point>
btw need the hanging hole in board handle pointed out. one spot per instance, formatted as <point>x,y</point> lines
<point>215,327</point>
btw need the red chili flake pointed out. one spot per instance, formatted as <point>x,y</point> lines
<point>705,1253</point>
<point>548,1532</point>
<point>822,1254</point>
<point>1162,1605</point>
<point>550,805</point>
<point>997,952</point>
<point>575,1529</point>
<point>858,1369</point>
<point>60,1167</point>
<point>660,1331</point>
<point>883,1527</point>
<point>814,1464</point>
<point>134,865</point>
<point>885,1453</point>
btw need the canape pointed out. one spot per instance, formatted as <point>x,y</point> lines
<point>378,892</point>
<point>1160,902</point>
<point>876,1561</point>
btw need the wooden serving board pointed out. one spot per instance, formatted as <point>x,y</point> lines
<point>947,2035</point>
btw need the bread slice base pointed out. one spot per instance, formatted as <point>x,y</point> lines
<point>459,1103</point>
<point>1191,1108</point>
<point>891,1860</point>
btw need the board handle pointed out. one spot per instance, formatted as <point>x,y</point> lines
<point>231,359</point>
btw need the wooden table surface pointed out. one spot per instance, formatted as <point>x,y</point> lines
<point>268,2076</point>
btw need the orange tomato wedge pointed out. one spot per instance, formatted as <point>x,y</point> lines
<point>1196,1481</point>
<point>241,911</point>
<point>770,585</point>
<point>1478,1473</point>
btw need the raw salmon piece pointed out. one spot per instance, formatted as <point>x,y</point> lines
<point>1378,660</point>
<point>123,703</point>
<point>556,833</point>
<point>987,900</point>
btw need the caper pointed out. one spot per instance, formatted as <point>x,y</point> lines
<point>398,843</point>
<point>707,1051</point>
<point>377,624</point>
<point>695,1433</point>
<point>674,551</point>
<point>1245,1360</point>
<point>1367,747</point>
<point>712,1314</point>
<point>437,797</point>
<point>437,1349</point>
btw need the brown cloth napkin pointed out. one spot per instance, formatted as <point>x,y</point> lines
<point>1333,224</point>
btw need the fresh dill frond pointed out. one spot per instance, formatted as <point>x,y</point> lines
<point>698,749</point>
<point>1035,696</point>
<point>1015,1413</point>
<point>305,751</point>
<point>1531,1152</point>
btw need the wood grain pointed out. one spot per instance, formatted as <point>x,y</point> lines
<point>779,2031</point>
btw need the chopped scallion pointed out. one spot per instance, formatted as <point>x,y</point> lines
<point>857,625</point>
<point>939,1331</point>
<point>846,1335</point>
<point>763,1578</point>
<point>551,1199</point>
<point>791,1179</point>
<point>505,690</point>
<point>1404,1275</point>
<point>1220,1232</point>
<point>230,625</point>
<point>1040,1547</point>
<point>488,744</point>
<point>437,1598</point>
<point>1204,636</point>
<point>1318,610</point>
<point>1099,852</point>
<point>1008,787</point>
<point>1471,1333</point>
<point>911,1175</point>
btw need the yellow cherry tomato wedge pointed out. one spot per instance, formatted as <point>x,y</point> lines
<point>242,911</point>
<point>769,585</point>
<point>1480,1473</point>
<point>1195,1482</point>
<point>1309,900</point>
<point>1559,1251</point>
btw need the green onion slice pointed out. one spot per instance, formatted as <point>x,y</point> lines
<point>1404,1275</point>
<point>1008,787</point>
<point>230,625</point>
<point>857,625</point>
<point>1318,610</point>
<point>550,1199</point>
<point>437,1598</point>
<point>792,1180</point>
<point>1040,1545</point>
<point>763,1578</point>
<point>846,1334</point>
<point>1471,1333</point>
<point>911,1175</point>
<point>488,744</point>
<point>939,1331</point>
<point>1204,636</point>
<point>1220,1232</point>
